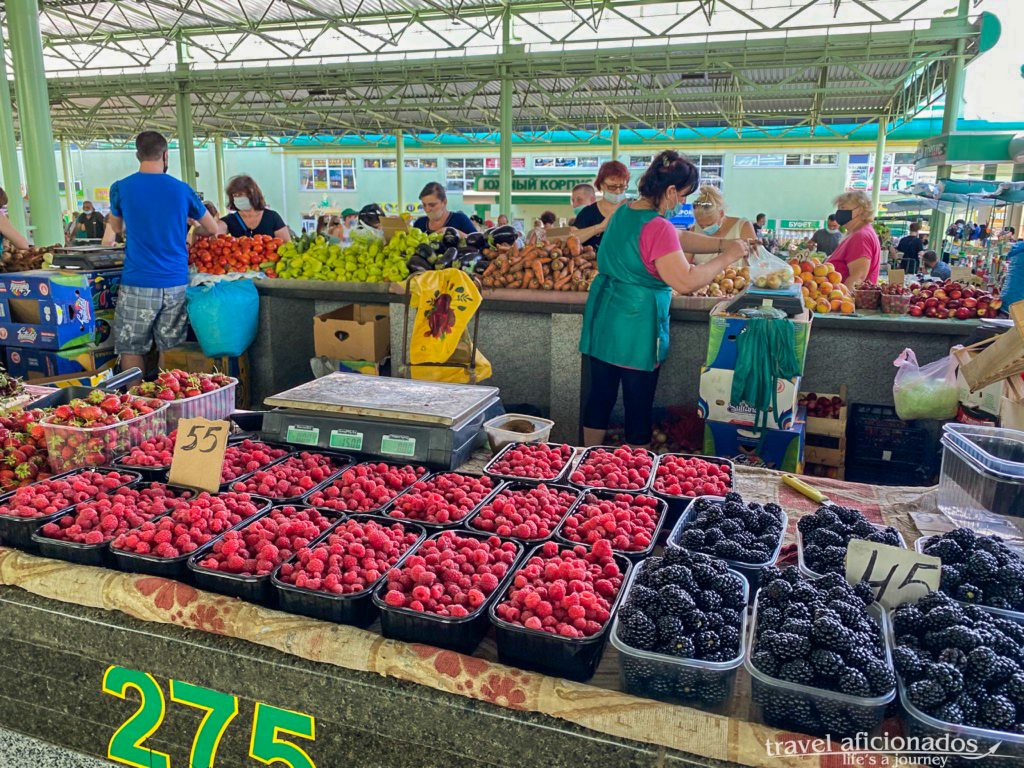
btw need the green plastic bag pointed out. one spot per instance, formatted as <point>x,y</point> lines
<point>928,392</point>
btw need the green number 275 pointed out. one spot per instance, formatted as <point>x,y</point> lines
<point>265,744</point>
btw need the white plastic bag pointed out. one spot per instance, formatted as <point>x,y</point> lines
<point>768,271</point>
<point>928,392</point>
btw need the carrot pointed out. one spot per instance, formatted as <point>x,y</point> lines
<point>538,270</point>
<point>560,285</point>
<point>573,244</point>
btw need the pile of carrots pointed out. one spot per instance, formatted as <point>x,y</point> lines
<point>552,265</point>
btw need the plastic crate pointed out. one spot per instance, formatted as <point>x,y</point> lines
<point>569,657</point>
<point>876,433</point>
<point>108,441</point>
<point>357,608</point>
<point>339,461</point>
<point>308,498</point>
<point>512,486</point>
<point>806,569</point>
<point>678,504</point>
<point>461,634</point>
<point>1018,616</point>
<point>982,473</point>
<point>586,454</point>
<point>17,531</point>
<point>213,405</point>
<point>636,556</point>
<point>707,685</point>
<point>559,478</point>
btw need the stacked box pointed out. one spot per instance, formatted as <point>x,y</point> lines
<point>825,449</point>
<point>357,337</point>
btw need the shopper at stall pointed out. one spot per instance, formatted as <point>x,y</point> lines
<point>541,226</point>
<point>759,221</point>
<point>612,180</point>
<point>89,224</point>
<point>935,267</point>
<point>625,324</point>
<point>193,226</point>
<point>249,213</point>
<point>859,256</point>
<point>827,239</point>
<point>502,220</point>
<point>909,248</point>
<point>156,208</point>
<point>581,196</point>
<point>434,200</point>
<point>709,214</point>
<point>7,230</point>
<point>349,219</point>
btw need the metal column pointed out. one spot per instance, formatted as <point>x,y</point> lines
<point>505,137</point>
<point>34,120</point>
<point>952,108</point>
<point>615,142</point>
<point>69,180</point>
<point>400,170</point>
<point>9,150</point>
<point>876,182</point>
<point>183,112</point>
<point>218,165</point>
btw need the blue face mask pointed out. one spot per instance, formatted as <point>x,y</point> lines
<point>711,229</point>
<point>576,210</point>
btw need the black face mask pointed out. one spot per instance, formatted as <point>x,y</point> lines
<point>844,216</point>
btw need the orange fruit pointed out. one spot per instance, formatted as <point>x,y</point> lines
<point>835,294</point>
<point>807,276</point>
<point>835,278</point>
<point>806,266</point>
<point>835,304</point>
<point>822,306</point>
<point>846,306</point>
<point>825,287</point>
<point>820,270</point>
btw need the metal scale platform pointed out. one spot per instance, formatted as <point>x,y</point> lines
<point>789,300</point>
<point>395,419</point>
<point>88,257</point>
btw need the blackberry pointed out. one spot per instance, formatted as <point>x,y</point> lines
<point>677,574</point>
<point>778,590</point>
<point>765,662</point>
<point>678,645</point>
<point>852,617</point>
<point>879,677</point>
<point>830,634</point>
<point>715,620</point>
<point>675,556</point>
<point>706,642</point>
<point>675,600</point>
<point>982,565</point>
<point>980,663</point>
<point>947,550</point>
<point>968,707</point>
<point>1015,689</point>
<point>1002,670</point>
<point>711,537</point>
<point>969,593</point>
<point>638,631</point>
<point>825,537</point>
<point>770,574</point>
<point>907,661</point>
<point>953,656</point>
<point>950,713</point>
<point>825,663</point>
<point>733,497</point>
<point>709,600</point>
<point>797,627</point>
<point>797,671</point>
<point>827,582</point>
<point>731,617</point>
<point>964,537</point>
<point>1011,573</point>
<point>797,611</point>
<point>926,695</point>
<point>963,638</point>
<point>950,578</point>
<point>643,597</point>
<point>853,682</point>
<point>858,657</point>
<point>692,538</point>
<point>704,573</point>
<point>729,639</point>
<point>730,527</point>
<point>787,646</point>
<point>669,626</point>
<point>849,515</point>
<point>694,620</point>
<point>997,713</point>
<point>947,676</point>
<point>906,618</point>
<point>942,617</point>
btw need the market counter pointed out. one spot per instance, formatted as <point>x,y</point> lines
<point>375,702</point>
<point>530,338</point>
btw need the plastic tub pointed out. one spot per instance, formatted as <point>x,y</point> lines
<point>867,298</point>
<point>288,449</point>
<point>254,589</point>
<point>677,504</point>
<point>752,573</point>
<point>559,478</point>
<point>17,531</point>
<point>516,428</point>
<point>108,441</point>
<point>213,405</point>
<point>585,455</point>
<point>462,634</point>
<point>704,684</point>
<point>794,707</point>
<point>982,472</point>
<point>636,556</point>
<point>569,657</point>
<point>806,570</point>
<point>175,567</point>
<point>340,463</point>
<point>307,498</point>
<point>896,303</point>
<point>523,485</point>
<point>460,523</point>
<point>357,608</point>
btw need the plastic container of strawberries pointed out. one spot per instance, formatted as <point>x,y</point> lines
<point>215,404</point>
<point>357,608</point>
<point>586,455</point>
<point>559,478</point>
<point>751,571</point>
<point>569,657</point>
<point>431,527</point>
<point>17,531</point>
<point>176,567</point>
<point>523,485</point>
<point>307,497</point>
<point>706,685</point>
<point>77,552</point>
<point>109,441</point>
<point>806,570</point>
<point>340,462</point>
<point>678,504</point>
<point>633,556</point>
<point>250,587</point>
<point>462,634</point>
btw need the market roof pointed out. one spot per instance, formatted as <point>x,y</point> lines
<point>308,67</point>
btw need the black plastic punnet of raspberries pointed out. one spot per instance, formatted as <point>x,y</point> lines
<point>978,569</point>
<point>817,633</point>
<point>685,605</point>
<point>978,678</point>
<point>733,530</point>
<point>826,534</point>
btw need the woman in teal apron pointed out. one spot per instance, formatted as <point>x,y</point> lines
<point>625,325</point>
<point>7,230</point>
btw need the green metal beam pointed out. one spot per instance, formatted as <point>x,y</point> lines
<point>505,134</point>
<point>34,120</point>
<point>183,112</point>
<point>218,163</point>
<point>9,151</point>
<point>876,185</point>
<point>400,169</point>
<point>951,111</point>
<point>615,142</point>
<point>69,180</point>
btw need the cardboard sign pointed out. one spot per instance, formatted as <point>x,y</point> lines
<point>392,225</point>
<point>558,233</point>
<point>896,575</point>
<point>199,454</point>
<point>897,277</point>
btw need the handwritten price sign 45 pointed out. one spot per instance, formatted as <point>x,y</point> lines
<point>896,575</point>
<point>268,724</point>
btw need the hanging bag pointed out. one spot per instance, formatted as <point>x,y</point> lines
<point>224,316</point>
<point>928,392</point>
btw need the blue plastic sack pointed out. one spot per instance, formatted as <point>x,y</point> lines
<point>224,316</point>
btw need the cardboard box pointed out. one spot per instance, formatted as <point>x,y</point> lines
<point>34,364</point>
<point>190,357</point>
<point>47,310</point>
<point>103,283</point>
<point>1011,407</point>
<point>87,379</point>
<point>355,332</point>
<point>987,399</point>
<point>781,449</point>
<point>724,330</point>
<point>716,392</point>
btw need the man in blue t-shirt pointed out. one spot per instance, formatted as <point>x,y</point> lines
<point>435,204</point>
<point>156,209</point>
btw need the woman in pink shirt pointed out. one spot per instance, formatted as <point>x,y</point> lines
<point>859,255</point>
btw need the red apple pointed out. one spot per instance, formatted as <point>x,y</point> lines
<point>915,311</point>
<point>963,313</point>
<point>970,302</point>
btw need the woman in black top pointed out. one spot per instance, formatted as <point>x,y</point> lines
<point>612,180</point>
<point>249,213</point>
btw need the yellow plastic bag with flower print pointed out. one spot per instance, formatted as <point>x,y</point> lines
<point>445,300</point>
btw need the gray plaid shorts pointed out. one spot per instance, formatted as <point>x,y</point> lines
<point>145,315</point>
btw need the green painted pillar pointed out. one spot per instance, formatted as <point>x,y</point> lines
<point>218,164</point>
<point>951,111</point>
<point>34,119</point>
<point>69,179</point>
<point>183,113</point>
<point>989,171</point>
<point>615,142</point>
<point>505,128</point>
<point>876,181</point>
<point>9,150</point>
<point>400,169</point>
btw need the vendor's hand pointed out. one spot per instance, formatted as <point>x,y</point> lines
<point>602,226</point>
<point>735,249</point>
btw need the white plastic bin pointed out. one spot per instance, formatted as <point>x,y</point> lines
<point>516,428</point>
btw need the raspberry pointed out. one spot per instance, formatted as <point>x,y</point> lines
<point>442,499</point>
<point>294,476</point>
<point>48,497</point>
<point>628,522</point>
<point>534,461</point>
<point>155,453</point>
<point>624,468</point>
<point>691,476</point>
<point>247,456</point>
<point>116,512</point>
<point>366,487</point>
<point>523,512</point>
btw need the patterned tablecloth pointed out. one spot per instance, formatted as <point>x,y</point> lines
<point>599,705</point>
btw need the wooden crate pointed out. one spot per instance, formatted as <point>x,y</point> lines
<point>822,470</point>
<point>830,427</point>
<point>828,456</point>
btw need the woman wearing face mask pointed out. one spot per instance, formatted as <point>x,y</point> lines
<point>434,200</point>
<point>859,255</point>
<point>591,220</point>
<point>249,213</point>
<point>709,212</point>
<point>626,321</point>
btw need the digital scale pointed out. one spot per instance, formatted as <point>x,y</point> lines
<point>428,422</point>
<point>88,257</point>
<point>789,300</point>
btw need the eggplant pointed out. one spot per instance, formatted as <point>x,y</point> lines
<point>477,240</point>
<point>505,235</point>
<point>450,238</point>
<point>448,258</point>
<point>417,263</point>
<point>424,250</point>
<point>467,250</point>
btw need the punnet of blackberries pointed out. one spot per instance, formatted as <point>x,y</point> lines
<point>826,534</point>
<point>732,530</point>
<point>978,569</point>
<point>685,605</point>
<point>818,633</point>
<point>960,663</point>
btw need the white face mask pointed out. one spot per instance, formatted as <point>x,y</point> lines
<point>436,214</point>
<point>242,203</point>
<point>614,197</point>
